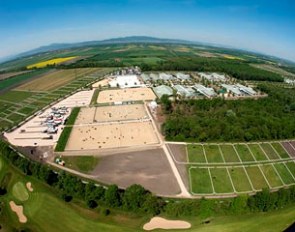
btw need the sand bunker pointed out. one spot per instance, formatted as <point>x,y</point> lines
<point>29,187</point>
<point>18,209</point>
<point>162,223</point>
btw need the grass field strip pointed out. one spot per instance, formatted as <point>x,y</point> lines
<point>251,152</point>
<point>231,181</point>
<point>293,175</point>
<point>276,171</point>
<point>204,152</point>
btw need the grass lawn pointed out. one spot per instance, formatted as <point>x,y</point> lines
<point>200,180</point>
<point>221,181</point>
<point>83,164</point>
<point>196,153</point>
<point>240,179</point>
<point>15,96</point>
<point>271,175</point>
<point>269,151</point>
<point>213,154</point>
<point>256,177</point>
<point>20,191</point>
<point>229,153</point>
<point>244,153</point>
<point>15,117</point>
<point>280,150</point>
<point>291,167</point>
<point>257,152</point>
<point>284,173</point>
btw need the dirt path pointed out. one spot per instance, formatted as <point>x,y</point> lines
<point>162,223</point>
<point>18,209</point>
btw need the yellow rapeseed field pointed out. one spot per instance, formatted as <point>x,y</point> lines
<point>50,62</point>
<point>232,57</point>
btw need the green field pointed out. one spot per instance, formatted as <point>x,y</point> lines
<point>20,191</point>
<point>200,180</point>
<point>280,150</point>
<point>213,154</point>
<point>196,154</point>
<point>244,152</point>
<point>83,164</point>
<point>284,173</point>
<point>291,166</point>
<point>15,96</point>
<point>257,152</point>
<point>229,153</point>
<point>240,179</point>
<point>270,152</point>
<point>256,177</point>
<point>221,180</point>
<point>271,175</point>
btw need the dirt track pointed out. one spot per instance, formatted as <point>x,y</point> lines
<point>148,168</point>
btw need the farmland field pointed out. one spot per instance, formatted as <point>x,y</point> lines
<point>55,61</point>
<point>257,152</point>
<point>201,181</point>
<point>229,153</point>
<point>213,154</point>
<point>11,74</point>
<point>56,79</point>
<point>196,154</point>
<point>240,180</point>
<point>221,181</point>
<point>244,152</point>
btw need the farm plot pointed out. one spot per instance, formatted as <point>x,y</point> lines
<point>229,154</point>
<point>123,95</point>
<point>257,152</point>
<point>213,154</point>
<point>240,179</point>
<point>285,173</point>
<point>273,178</point>
<point>55,79</point>
<point>280,150</point>
<point>269,151</point>
<point>196,154</point>
<point>55,61</point>
<point>200,181</point>
<point>244,153</point>
<point>256,177</point>
<point>111,136</point>
<point>221,180</point>
<point>289,147</point>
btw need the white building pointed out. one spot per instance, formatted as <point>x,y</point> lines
<point>216,77</point>
<point>165,76</point>
<point>207,92</point>
<point>182,76</point>
<point>125,81</point>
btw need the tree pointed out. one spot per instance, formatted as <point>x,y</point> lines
<point>112,196</point>
<point>134,197</point>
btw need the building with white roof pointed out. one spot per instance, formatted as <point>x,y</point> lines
<point>207,92</point>
<point>233,89</point>
<point>216,77</point>
<point>125,81</point>
<point>184,91</point>
<point>163,90</point>
<point>182,76</point>
<point>246,90</point>
<point>165,76</point>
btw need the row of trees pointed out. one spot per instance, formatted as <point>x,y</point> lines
<point>267,118</point>
<point>137,199</point>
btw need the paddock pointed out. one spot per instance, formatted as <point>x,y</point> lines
<point>112,135</point>
<point>123,95</point>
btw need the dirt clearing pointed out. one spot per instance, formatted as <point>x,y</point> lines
<point>148,168</point>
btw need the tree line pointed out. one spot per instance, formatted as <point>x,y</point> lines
<point>139,200</point>
<point>268,118</point>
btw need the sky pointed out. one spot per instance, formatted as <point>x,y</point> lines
<point>266,26</point>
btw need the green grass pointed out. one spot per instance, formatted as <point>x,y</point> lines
<point>213,154</point>
<point>196,153</point>
<point>256,177</point>
<point>229,153</point>
<point>257,152</point>
<point>240,179</point>
<point>15,117</point>
<point>269,151</point>
<point>284,173</point>
<point>271,175</point>
<point>200,180</point>
<point>281,151</point>
<point>244,153</point>
<point>84,164</point>
<point>20,191</point>
<point>221,181</point>
<point>15,96</point>
<point>291,167</point>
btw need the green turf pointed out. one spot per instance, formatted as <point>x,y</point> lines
<point>244,152</point>
<point>291,167</point>
<point>240,179</point>
<point>221,181</point>
<point>280,150</point>
<point>15,117</point>
<point>284,173</point>
<point>84,164</point>
<point>257,152</point>
<point>200,180</point>
<point>269,151</point>
<point>213,154</point>
<point>256,177</point>
<point>15,96</point>
<point>271,175</point>
<point>4,124</point>
<point>229,153</point>
<point>196,153</point>
<point>20,191</point>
